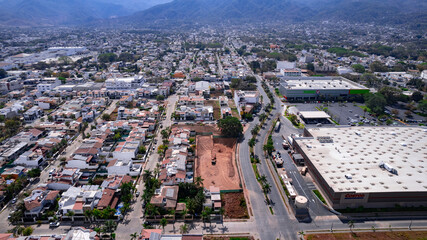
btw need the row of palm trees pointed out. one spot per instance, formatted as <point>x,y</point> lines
<point>266,187</point>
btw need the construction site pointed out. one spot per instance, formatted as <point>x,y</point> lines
<point>215,162</point>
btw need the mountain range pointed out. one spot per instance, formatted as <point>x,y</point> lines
<point>139,12</point>
<point>66,12</point>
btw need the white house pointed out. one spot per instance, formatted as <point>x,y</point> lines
<point>30,159</point>
<point>120,167</point>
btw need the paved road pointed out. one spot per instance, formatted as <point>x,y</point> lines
<point>134,219</point>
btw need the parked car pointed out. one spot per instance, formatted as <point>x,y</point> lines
<point>138,193</point>
<point>14,200</point>
<point>55,224</point>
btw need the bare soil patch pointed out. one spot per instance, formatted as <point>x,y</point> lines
<point>216,108</point>
<point>405,235</point>
<point>114,114</point>
<point>233,107</point>
<point>223,173</point>
<point>234,205</point>
<point>206,128</point>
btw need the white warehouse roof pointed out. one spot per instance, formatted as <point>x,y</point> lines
<point>349,158</point>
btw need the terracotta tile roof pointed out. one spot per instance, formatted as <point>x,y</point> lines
<point>52,195</point>
<point>107,197</point>
<point>78,206</point>
<point>5,236</point>
<point>145,234</point>
<point>30,205</point>
<point>112,163</point>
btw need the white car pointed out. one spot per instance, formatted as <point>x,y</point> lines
<point>55,224</point>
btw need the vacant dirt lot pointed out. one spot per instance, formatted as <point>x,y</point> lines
<point>216,108</point>
<point>407,235</point>
<point>224,173</point>
<point>200,128</point>
<point>234,205</point>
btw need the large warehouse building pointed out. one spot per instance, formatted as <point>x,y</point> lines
<point>319,88</point>
<point>367,166</point>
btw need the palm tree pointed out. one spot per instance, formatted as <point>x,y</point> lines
<point>301,234</point>
<point>134,236</point>
<point>156,171</point>
<point>88,214</point>
<point>110,226</point>
<point>351,225</point>
<point>172,212</point>
<point>184,212</point>
<point>373,228</point>
<point>221,213</point>
<point>147,174</point>
<point>204,216</point>
<point>266,188</point>
<point>263,179</point>
<point>183,229</point>
<point>198,181</point>
<point>262,117</point>
<point>163,223</point>
<point>71,214</point>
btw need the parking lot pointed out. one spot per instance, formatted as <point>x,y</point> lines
<point>342,113</point>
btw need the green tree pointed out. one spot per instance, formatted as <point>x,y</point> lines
<point>142,149</point>
<point>126,57</point>
<point>391,94</point>
<point>262,117</point>
<point>3,73</point>
<point>198,181</point>
<point>266,188</point>
<point>268,148</point>
<point>206,213</point>
<point>378,67</point>
<point>134,236</point>
<point>147,174</point>
<point>107,57</point>
<point>310,66</point>
<point>160,98</point>
<point>35,172</point>
<point>417,96</point>
<point>110,226</point>
<point>71,214</point>
<point>375,102</point>
<point>358,68</point>
<point>252,142</point>
<point>263,179</point>
<point>163,223</point>
<point>165,133</point>
<point>301,235</point>
<point>422,106</point>
<point>117,137</point>
<point>183,229</point>
<point>88,215</point>
<point>106,117</point>
<point>230,127</point>
<point>126,190</point>
<point>27,231</point>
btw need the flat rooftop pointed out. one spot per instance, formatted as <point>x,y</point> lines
<point>356,152</point>
<point>315,83</point>
<point>314,114</point>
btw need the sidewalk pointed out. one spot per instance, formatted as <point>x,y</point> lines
<point>198,227</point>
